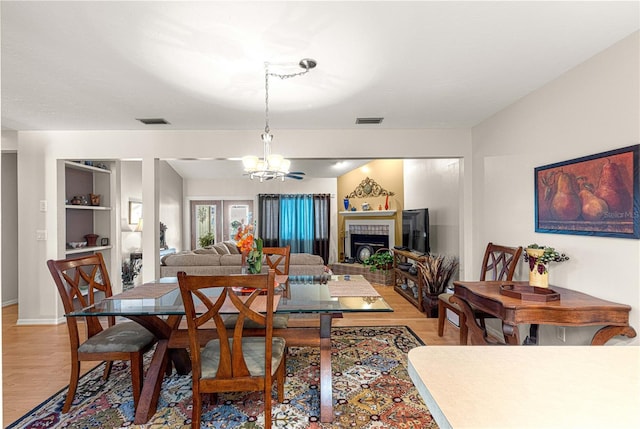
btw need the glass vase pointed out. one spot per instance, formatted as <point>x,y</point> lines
<point>243,267</point>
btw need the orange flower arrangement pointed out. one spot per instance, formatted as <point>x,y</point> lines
<point>250,247</point>
<point>244,238</point>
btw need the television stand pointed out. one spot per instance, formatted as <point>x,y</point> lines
<point>408,285</point>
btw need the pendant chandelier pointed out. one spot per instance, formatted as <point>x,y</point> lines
<point>271,165</point>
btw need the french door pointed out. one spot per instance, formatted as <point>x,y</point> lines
<point>218,217</point>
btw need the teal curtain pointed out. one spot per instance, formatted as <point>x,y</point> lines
<point>296,222</point>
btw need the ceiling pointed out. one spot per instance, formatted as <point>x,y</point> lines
<point>200,65</point>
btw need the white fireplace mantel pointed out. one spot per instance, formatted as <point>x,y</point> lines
<point>369,213</point>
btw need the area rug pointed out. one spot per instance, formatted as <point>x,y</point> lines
<point>371,389</point>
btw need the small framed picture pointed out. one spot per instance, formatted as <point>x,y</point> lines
<point>104,241</point>
<point>135,212</point>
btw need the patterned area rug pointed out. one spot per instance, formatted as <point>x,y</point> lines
<point>371,389</point>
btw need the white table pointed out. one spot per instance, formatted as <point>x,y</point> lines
<point>529,387</point>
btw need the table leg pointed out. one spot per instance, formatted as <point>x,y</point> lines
<point>150,394</point>
<point>148,402</point>
<point>326,389</point>
<point>532,338</point>
<point>608,332</point>
<point>511,334</point>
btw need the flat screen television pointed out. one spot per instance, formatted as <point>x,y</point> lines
<point>415,230</point>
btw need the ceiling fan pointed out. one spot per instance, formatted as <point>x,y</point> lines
<point>291,175</point>
<point>295,175</point>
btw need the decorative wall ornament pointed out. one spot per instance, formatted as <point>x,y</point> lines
<point>369,188</point>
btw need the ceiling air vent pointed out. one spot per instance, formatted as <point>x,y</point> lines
<point>369,121</point>
<point>153,121</point>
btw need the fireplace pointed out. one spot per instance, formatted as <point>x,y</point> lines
<point>363,245</point>
<point>364,237</point>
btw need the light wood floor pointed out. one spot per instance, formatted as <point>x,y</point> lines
<point>36,358</point>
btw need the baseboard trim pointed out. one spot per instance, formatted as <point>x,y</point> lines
<point>32,322</point>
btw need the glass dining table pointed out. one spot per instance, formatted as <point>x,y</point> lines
<point>158,307</point>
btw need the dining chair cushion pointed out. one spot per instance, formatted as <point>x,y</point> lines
<point>446,297</point>
<point>122,337</point>
<point>253,350</point>
<point>280,321</point>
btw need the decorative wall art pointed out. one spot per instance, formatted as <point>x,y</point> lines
<point>369,188</point>
<point>593,195</point>
<point>135,212</point>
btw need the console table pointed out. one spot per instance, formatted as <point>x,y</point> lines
<point>529,387</point>
<point>572,309</point>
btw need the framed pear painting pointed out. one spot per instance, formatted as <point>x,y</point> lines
<point>593,195</point>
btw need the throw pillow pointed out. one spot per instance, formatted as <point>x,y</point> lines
<point>233,249</point>
<point>221,248</point>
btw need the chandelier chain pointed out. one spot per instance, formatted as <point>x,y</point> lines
<point>266,98</point>
<point>272,166</point>
<point>266,87</point>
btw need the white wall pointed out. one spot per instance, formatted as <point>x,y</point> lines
<point>592,108</point>
<point>171,205</point>
<point>435,184</point>
<point>9,229</point>
<point>131,190</point>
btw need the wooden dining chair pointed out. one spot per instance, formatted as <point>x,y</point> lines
<point>277,259</point>
<point>80,282</point>
<point>499,263</point>
<point>233,362</point>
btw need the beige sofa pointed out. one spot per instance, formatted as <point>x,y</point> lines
<point>224,258</point>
